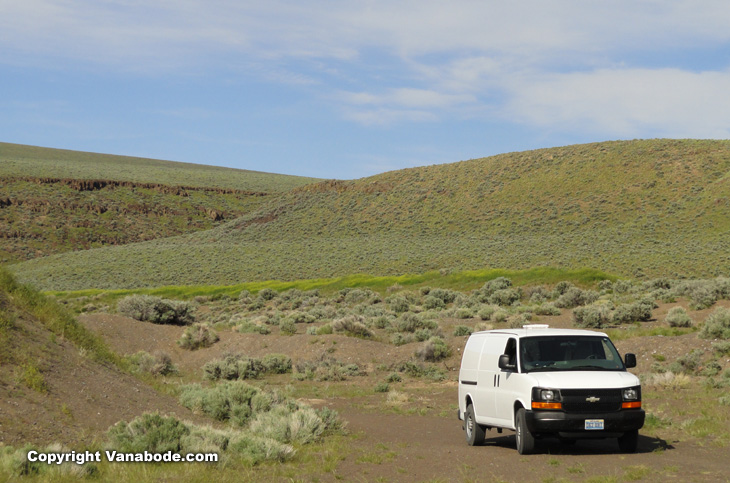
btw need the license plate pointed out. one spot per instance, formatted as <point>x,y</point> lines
<point>594,424</point>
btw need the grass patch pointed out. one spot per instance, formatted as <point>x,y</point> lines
<point>57,319</point>
<point>462,281</point>
<point>31,376</point>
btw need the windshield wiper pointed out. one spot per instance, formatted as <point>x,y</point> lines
<point>589,368</point>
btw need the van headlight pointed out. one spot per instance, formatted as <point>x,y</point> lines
<point>546,398</point>
<point>631,398</point>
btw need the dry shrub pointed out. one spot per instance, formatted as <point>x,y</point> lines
<point>198,336</point>
<point>667,380</point>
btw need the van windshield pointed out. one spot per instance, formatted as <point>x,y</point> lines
<point>569,353</point>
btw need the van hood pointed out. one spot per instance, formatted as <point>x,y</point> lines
<point>585,379</point>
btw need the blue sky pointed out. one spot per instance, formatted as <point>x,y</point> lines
<point>346,89</point>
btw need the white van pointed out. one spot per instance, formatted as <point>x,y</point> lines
<point>539,382</point>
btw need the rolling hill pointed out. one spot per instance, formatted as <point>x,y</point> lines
<point>634,208</point>
<point>53,201</point>
<point>59,382</point>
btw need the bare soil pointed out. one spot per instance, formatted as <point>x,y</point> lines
<point>421,439</point>
<point>415,438</point>
<point>81,400</point>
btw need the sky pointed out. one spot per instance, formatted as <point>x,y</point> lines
<point>347,89</point>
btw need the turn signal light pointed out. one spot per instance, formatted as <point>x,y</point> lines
<point>546,405</point>
<point>630,405</point>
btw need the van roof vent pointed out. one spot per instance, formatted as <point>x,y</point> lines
<point>536,326</point>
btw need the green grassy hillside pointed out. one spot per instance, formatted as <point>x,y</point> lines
<point>18,160</point>
<point>54,201</point>
<point>657,207</point>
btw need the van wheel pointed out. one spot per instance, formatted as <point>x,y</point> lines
<point>474,432</point>
<point>629,441</point>
<point>525,439</point>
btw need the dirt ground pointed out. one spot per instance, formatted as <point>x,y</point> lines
<point>421,439</point>
<point>413,437</point>
<point>82,397</point>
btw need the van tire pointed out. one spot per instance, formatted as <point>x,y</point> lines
<point>524,438</point>
<point>474,432</point>
<point>629,441</point>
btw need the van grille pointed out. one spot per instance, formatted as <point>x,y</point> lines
<point>578,400</point>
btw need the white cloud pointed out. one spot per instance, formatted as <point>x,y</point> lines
<point>124,30</point>
<point>386,116</point>
<point>662,102</point>
<point>556,65</point>
<point>407,97</point>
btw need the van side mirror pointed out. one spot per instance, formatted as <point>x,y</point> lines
<point>630,360</point>
<point>504,363</point>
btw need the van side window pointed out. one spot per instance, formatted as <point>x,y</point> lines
<point>511,351</point>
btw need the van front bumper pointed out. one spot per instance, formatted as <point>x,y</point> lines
<point>573,425</point>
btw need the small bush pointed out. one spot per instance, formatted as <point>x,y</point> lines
<point>722,348</point>
<point>505,297</point>
<point>302,318</point>
<point>32,377</point>
<point>433,303</point>
<point>157,364</point>
<point>434,350</point>
<point>326,369</point>
<point>381,322</point>
<point>688,363</point>
<point>445,295</point>
<point>422,335</point>
<point>483,326</point>
<point>226,401</point>
<point>492,286</point>
<point>382,387</point>
<point>633,312</point>
<point>415,369</point>
<point>268,294</point>
<point>197,336</point>
<point>486,312</point>
<point>500,316</point>
<point>547,309</point>
<point>606,285</point>
<point>593,316</point>
<point>574,297</point>
<point>677,317</point>
<point>703,296</point>
<point>463,313</point>
<point>410,322</point>
<point>288,327</point>
<point>621,286</point>
<point>394,377</point>
<point>352,325</point>
<point>248,327</point>
<point>397,303</point>
<point>149,432</point>
<point>562,287</point>
<point>462,330</point>
<point>277,363</point>
<point>402,339</point>
<point>717,325</point>
<point>147,308</point>
<point>233,367</point>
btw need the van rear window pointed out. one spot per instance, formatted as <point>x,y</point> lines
<point>568,353</point>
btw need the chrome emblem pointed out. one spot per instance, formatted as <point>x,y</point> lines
<point>593,399</point>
